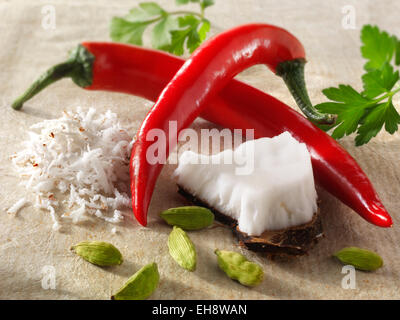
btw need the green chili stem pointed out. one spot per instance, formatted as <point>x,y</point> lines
<point>292,73</point>
<point>50,76</point>
<point>78,67</point>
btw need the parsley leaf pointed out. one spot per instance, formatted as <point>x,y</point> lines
<point>144,12</point>
<point>366,113</point>
<point>130,29</point>
<point>125,31</point>
<point>349,107</point>
<point>378,47</point>
<point>344,94</point>
<point>377,82</point>
<point>172,32</point>
<point>151,8</point>
<point>204,29</point>
<point>203,3</point>
<point>177,45</point>
<point>162,32</point>
<point>392,118</point>
<point>397,56</point>
<point>382,113</point>
<point>207,3</point>
<point>180,2</point>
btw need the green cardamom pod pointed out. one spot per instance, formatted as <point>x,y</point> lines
<point>237,267</point>
<point>361,259</point>
<point>141,285</point>
<point>182,249</point>
<point>188,218</point>
<point>98,252</point>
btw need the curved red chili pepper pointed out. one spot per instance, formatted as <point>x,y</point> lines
<point>144,72</point>
<point>202,76</point>
<point>200,79</point>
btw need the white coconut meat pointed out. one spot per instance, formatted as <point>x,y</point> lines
<point>277,192</point>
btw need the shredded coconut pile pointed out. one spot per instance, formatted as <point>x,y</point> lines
<point>83,155</point>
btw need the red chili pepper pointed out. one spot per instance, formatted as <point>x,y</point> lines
<point>144,72</point>
<point>201,78</point>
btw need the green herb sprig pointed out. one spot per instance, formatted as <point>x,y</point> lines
<point>368,111</point>
<point>173,31</point>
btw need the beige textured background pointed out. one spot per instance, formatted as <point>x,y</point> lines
<point>27,243</point>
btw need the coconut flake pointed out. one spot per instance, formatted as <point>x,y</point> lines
<point>82,155</point>
<point>14,209</point>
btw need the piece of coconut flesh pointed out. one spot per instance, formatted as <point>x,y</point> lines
<point>275,192</point>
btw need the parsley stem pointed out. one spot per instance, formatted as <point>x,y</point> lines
<point>154,20</point>
<point>387,95</point>
<point>181,12</point>
<point>200,15</point>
